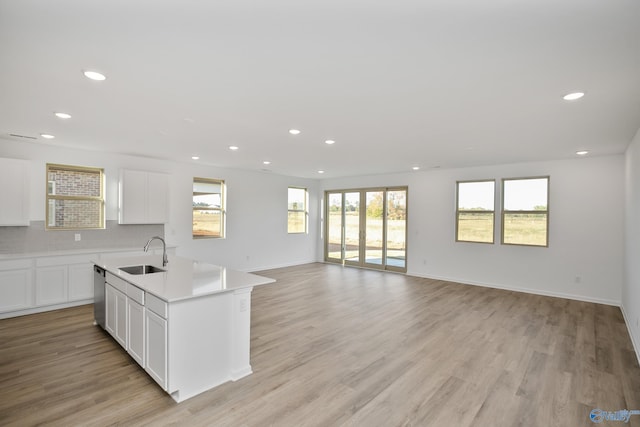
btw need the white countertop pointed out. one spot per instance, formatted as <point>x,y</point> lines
<point>184,278</point>
<point>85,251</point>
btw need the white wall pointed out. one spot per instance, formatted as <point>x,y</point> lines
<point>586,220</point>
<point>256,205</point>
<point>586,238</point>
<point>631,287</point>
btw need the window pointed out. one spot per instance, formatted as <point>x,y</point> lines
<point>475,211</point>
<point>75,197</point>
<point>525,211</point>
<point>208,208</point>
<point>297,216</point>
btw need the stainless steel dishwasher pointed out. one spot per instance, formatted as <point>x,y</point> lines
<point>98,296</point>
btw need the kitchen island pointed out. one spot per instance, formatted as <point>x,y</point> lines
<point>187,323</point>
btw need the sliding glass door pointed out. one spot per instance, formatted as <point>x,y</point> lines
<point>396,226</point>
<point>374,228</point>
<point>334,226</point>
<point>367,228</point>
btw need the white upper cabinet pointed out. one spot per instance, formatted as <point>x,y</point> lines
<point>143,197</point>
<point>14,192</point>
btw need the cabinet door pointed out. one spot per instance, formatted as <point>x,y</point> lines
<point>121,318</point>
<point>156,347</point>
<point>14,192</point>
<point>80,281</point>
<point>15,290</point>
<point>51,285</point>
<point>133,197</point>
<point>158,198</point>
<point>110,308</point>
<point>135,331</point>
<point>116,314</point>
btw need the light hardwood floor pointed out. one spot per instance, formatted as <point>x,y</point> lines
<point>336,346</point>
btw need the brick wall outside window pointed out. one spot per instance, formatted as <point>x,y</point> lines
<point>74,197</point>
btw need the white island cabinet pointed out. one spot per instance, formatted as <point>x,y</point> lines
<point>187,326</point>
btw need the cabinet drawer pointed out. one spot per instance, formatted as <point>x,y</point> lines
<point>156,305</point>
<point>117,282</point>
<point>135,293</point>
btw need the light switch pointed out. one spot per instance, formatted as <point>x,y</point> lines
<point>78,237</point>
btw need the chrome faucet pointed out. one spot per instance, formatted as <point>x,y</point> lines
<point>165,260</point>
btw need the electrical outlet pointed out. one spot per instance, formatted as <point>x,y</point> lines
<point>78,237</point>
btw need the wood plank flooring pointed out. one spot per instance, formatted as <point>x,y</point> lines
<point>334,346</point>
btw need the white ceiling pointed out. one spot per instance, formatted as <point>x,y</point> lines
<point>396,84</point>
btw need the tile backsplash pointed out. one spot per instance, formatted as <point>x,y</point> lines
<point>34,238</point>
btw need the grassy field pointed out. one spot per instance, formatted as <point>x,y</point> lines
<point>395,237</point>
<point>475,227</point>
<point>519,229</point>
<point>295,222</point>
<point>206,224</point>
<point>525,229</point>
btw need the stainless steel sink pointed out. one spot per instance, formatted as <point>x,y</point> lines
<point>141,269</point>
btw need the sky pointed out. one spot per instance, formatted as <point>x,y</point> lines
<point>521,194</point>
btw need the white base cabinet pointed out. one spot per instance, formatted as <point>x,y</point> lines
<point>80,279</point>
<point>51,285</point>
<point>32,284</point>
<point>16,288</point>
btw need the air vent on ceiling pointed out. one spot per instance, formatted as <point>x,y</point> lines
<point>22,136</point>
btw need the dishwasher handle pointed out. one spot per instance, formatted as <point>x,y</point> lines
<point>98,270</point>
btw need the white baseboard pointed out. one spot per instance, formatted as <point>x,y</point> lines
<point>524,290</point>
<point>628,322</point>
<point>44,308</point>
<point>273,267</point>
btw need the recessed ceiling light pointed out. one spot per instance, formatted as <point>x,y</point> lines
<point>573,96</point>
<point>233,148</point>
<point>195,158</point>
<point>320,171</point>
<point>63,115</point>
<point>266,162</point>
<point>47,136</point>
<point>94,75</point>
<point>582,153</point>
<point>330,141</point>
<point>416,168</point>
<point>294,131</point>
